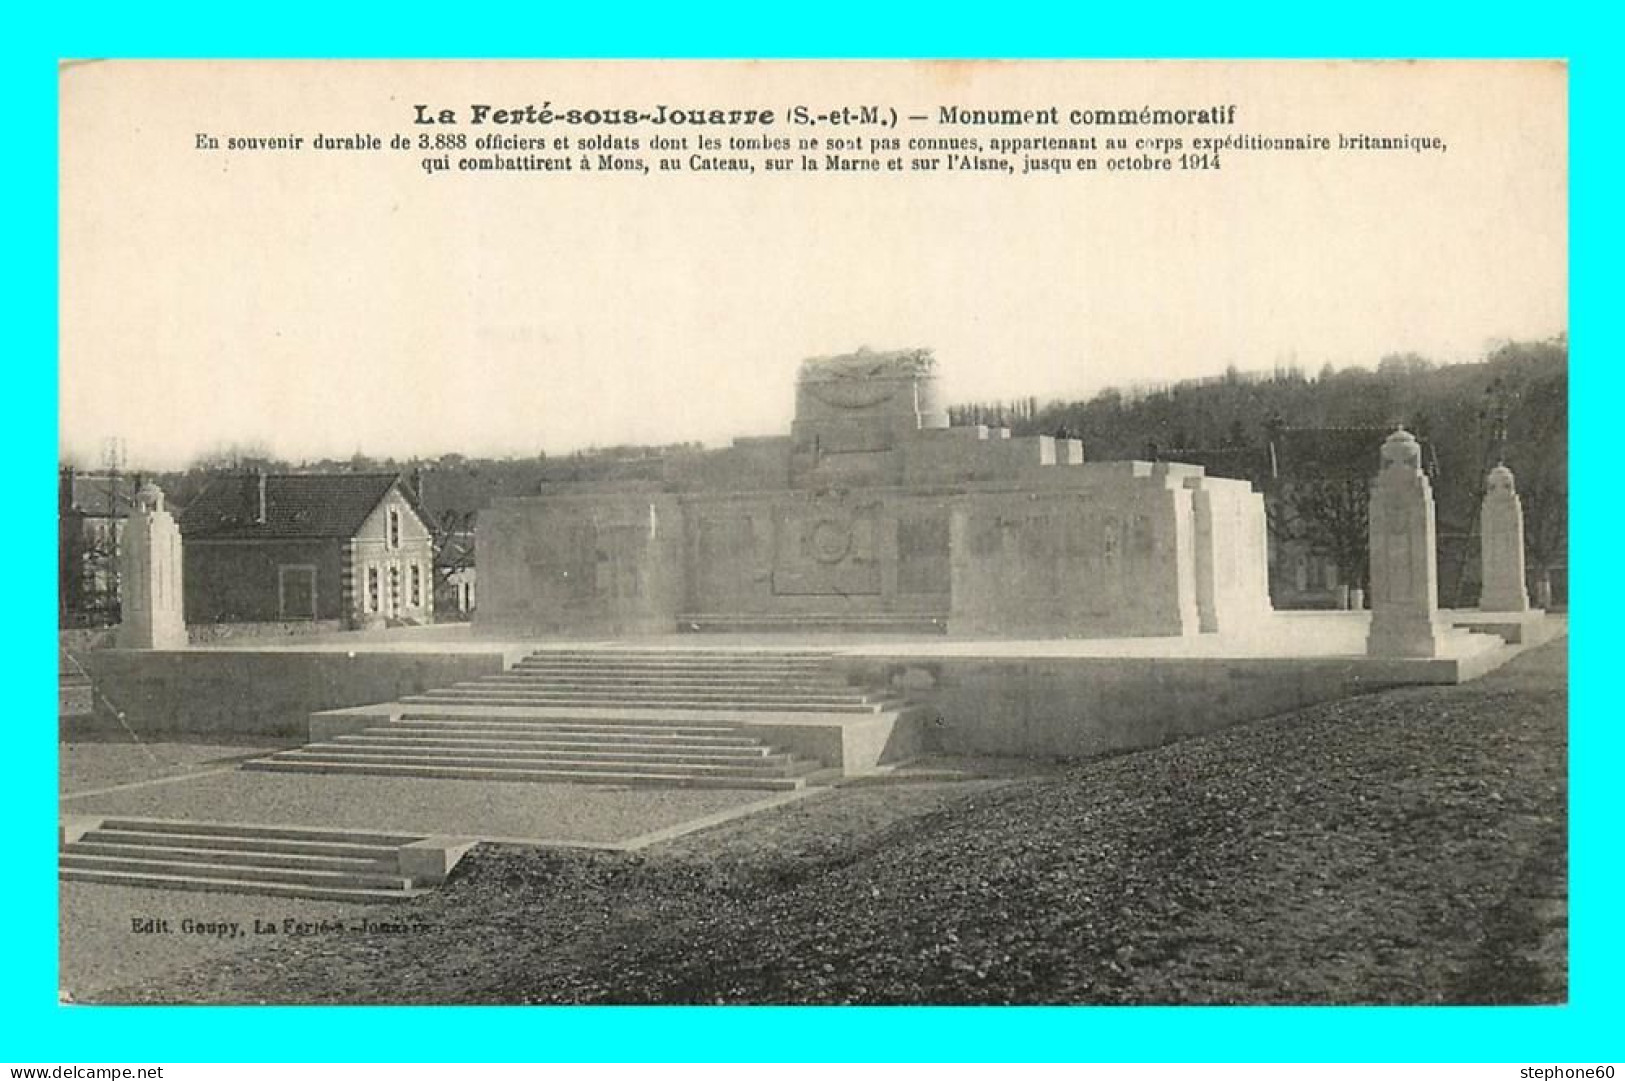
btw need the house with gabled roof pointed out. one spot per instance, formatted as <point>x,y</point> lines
<point>350,549</point>
<point>91,511</point>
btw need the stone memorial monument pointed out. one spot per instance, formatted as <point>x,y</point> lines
<point>1501,520</point>
<point>874,514</point>
<point>1404,569</point>
<point>150,576</point>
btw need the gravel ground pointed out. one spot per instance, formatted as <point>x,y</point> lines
<point>98,949</point>
<point>91,765</point>
<point>1405,847</point>
<point>561,812</point>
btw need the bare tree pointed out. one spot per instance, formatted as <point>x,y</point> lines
<point>452,539</point>
<point>1332,517</point>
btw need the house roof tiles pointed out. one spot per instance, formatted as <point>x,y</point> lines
<point>296,505</point>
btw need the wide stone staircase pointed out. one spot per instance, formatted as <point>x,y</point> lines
<point>332,865</point>
<point>682,718</point>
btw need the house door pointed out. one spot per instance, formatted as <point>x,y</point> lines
<point>296,591</point>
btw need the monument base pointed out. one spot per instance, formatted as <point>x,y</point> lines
<point>1509,601</point>
<point>144,636</point>
<point>1035,698</point>
<point>1527,628</point>
<point>1408,636</point>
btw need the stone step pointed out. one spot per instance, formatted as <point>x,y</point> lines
<point>542,760</point>
<point>226,843</point>
<point>532,676</point>
<point>655,669</point>
<point>236,870</point>
<point>656,692</point>
<point>781,656</point>
<point>546,732</point>
<point>711,658</point>
<point>759,705</point>
<point>378,737</point>
<point>247,832</point>
<point>827,622</point>
<point>727,731</point>
<point>89,845</point>
<point>650,694</point>
<point>149,880</point>
<point>562,776</point>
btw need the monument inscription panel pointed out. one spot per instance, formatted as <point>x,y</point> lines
<point>826,551</point>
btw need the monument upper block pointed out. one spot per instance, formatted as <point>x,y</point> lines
<point>876,513</point>
<point>865,404</point>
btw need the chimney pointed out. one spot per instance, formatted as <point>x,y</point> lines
<point>254,495</point>
<point>416,480</point>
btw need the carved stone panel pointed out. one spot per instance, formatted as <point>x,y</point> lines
<point>826,549</point>
<point>923,564</point>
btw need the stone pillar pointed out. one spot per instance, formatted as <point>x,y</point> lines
<point>1207,557</point>
<point>1501,519</point>
<point>150,577</point>
<point>1404,567</point>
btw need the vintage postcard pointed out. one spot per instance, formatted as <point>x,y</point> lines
<point>734,532</point>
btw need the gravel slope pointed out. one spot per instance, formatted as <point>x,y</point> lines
<point>1403,847</point>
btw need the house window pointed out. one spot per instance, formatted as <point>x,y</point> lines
<point>394,590</point>
<point>417,586</point>
<point>296,591</point>
<point>394,528</point>
<point>372,589</point>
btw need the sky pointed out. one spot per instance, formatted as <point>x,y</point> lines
<point>327,303</point>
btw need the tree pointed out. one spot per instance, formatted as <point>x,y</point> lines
<point>1332,517</point>
<point>451,537</point>
<point>232,456</point>
<point>1404,364</point>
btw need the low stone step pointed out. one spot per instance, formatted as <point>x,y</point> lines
<point>543,732</point>
<point>562,776</point>
<point>830,622</point>
<point>235,870</point>
<point>522,677</point>
<point>327,752</point>
<point>729,721</point>
<point>88,846</point>
<point>246,832</point>
<point>668,673</point>
<point>654,692</point>
<point>378,737</point>
<point>765,757</point>
<point>227,885</point>
<point>674,671</point>
<point>650,694</point>
<point>651,726</point>
<point>226,843</point>
<point>687,653</point>
<point>669,702</point>
<point>712,662</point>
